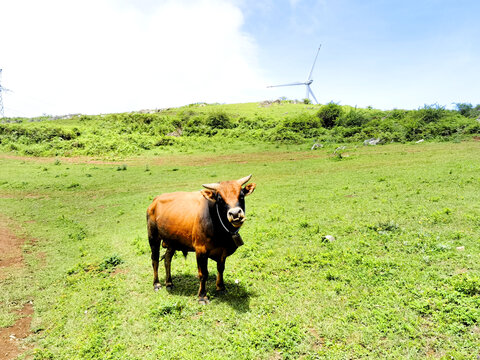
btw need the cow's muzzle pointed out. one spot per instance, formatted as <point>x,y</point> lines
<point>236,216</point>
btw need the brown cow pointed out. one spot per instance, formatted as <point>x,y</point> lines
<point>205,221</point>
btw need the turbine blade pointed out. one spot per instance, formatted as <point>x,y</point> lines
<point>311,92</point>
<point>314,61</point>
<point>292,84</point>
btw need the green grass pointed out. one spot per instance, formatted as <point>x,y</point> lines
<point>391,285</point>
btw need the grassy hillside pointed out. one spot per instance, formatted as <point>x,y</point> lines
<point>400,280</point>
<point>208,128</point>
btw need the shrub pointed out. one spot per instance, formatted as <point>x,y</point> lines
<point>301,123</point>
<point>195,126</point>
<point>132,133</point>
<point>431,113</point>
<point>386,129</point>
<point>413,127</point>
<point>165,141</point>
<point>396,114</point>
<point>248,123</point>
<point>328,114</point>
<point>284,135</point>
<point>37,133</point>
<point>353,118</point>
<point>219,120</point>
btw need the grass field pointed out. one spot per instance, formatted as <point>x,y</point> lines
<point>401,280</point>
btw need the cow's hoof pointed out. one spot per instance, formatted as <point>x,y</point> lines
<point>221,291</point>
<point>156,286</point>
<point>203,300</point>
<point>169,287</point>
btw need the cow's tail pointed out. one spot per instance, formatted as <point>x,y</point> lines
<point>153,239</point>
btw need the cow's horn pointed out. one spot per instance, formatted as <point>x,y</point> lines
<point>213,186</point>
<point>244,180</point>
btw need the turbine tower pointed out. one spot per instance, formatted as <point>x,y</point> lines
<point>306,83</point>
<point>1,100</point>
<point>2,89</point>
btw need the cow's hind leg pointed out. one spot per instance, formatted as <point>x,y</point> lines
<point>168,262</point>
<point>154,241</point>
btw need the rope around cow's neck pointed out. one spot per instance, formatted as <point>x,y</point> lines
<point>221,222</point>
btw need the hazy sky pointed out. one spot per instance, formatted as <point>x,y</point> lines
<point>100,56</point>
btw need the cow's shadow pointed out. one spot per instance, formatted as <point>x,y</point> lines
<point>236,295</point>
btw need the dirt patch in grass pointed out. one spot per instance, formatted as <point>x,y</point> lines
<point>7,195</point>
<point>10,247</point>
<point>11,338</point>
<point>179,159</point>
<point>267,157</point>
<point>68,160</point>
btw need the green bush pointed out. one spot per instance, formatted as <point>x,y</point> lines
<point>430,113</point>
<point>353,118</point>
<point>328,114</point>
<point>134,133</point>
<point>165,141</point>
<point>195,126</point>
<point>248,123</point>
<point>36,133</point>
<point>413,127</point>
<point>301,123</point>
<point>219,120</point>
<point>396,114</point>
<point>283,135</point>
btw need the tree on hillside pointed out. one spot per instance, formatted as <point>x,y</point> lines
<point>467,110</point>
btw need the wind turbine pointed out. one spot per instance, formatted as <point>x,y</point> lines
<point>2,89</point>
<point>306,83</point>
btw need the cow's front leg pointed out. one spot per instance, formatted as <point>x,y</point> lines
<point>168,274</point>
<point>220,269</point>
<point>202,264</point>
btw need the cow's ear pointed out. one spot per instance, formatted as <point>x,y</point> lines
<point>248,189</point>
<point>208,194</point>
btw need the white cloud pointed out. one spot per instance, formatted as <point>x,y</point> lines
<point>104,56</point>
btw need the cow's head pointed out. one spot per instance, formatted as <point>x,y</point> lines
<point>230,198</point>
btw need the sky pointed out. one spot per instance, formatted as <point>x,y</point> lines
<point>101,56</point>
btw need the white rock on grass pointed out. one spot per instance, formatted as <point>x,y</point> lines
<point>372,141</point>
<point>329,238</point>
